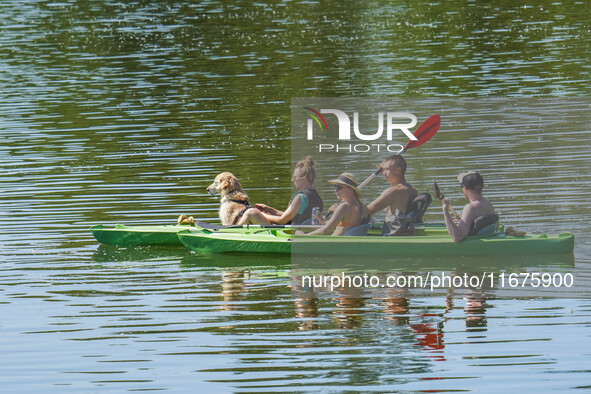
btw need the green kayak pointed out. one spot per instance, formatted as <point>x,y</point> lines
<point>432,242</point>
<point>127,236</point>
<point>122,235</point>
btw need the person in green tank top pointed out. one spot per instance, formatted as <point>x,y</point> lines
<point>300,206</point>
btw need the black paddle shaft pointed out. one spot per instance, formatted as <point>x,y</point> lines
<point>438,195</point>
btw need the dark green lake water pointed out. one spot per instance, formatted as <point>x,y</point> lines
<point>123,112</point>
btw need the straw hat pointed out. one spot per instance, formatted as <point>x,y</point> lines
<point>347,179</point>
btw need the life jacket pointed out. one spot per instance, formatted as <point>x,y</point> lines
<point>403,224</point>
<point>311,199</point>
<point>398,224</point>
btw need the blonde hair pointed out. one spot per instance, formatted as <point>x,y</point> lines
<point>306,168</point>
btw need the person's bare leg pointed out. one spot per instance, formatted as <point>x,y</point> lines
<point>253,216</point>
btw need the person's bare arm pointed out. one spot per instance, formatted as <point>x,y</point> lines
<point>382,201</point>
<point>460,230</point>
<point>268,210</point>
<point>286,215</point>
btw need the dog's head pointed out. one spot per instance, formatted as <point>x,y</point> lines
<point>224,183</point>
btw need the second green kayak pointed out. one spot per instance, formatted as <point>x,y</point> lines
<point>435,243</point>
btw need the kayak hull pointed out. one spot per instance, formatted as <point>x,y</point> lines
<point>436,244</point>
<point>127,236</point>
<point>258,241</point>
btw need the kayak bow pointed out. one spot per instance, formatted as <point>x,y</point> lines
<point>122,235</point>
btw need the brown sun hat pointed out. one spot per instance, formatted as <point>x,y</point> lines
<point>347,179</point>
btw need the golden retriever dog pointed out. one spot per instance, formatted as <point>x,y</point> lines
<point>234,201</point>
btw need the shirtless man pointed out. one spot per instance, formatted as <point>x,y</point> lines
<point>400,194</point>
<point>472,184</point>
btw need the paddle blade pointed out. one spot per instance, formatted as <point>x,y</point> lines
<point>425,132</point>
<point>436,191</point>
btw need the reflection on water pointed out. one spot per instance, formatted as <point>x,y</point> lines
<point>121,316</point>
<point>475,311</point>
<point>349,308</point>
<point>233,289</point>
<point>117,111</point>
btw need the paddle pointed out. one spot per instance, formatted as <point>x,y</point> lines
<point>438,195</point>
<point>424,133</point>
<point>214,227</point>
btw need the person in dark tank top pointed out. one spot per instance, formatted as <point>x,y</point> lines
<point>300,206</point>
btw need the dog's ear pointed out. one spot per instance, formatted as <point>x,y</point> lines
<point>222,181</point>
<point>233,183</point>
<point>229,183</point>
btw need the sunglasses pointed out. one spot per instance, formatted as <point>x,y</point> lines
<point>337,187</point>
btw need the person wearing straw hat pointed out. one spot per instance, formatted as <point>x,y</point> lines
<point>350,213</point>
<point>479,209</point>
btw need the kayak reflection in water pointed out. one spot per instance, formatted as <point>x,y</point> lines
<point>300,206</point>
<point>351,213</point>
<point>476,215</point>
